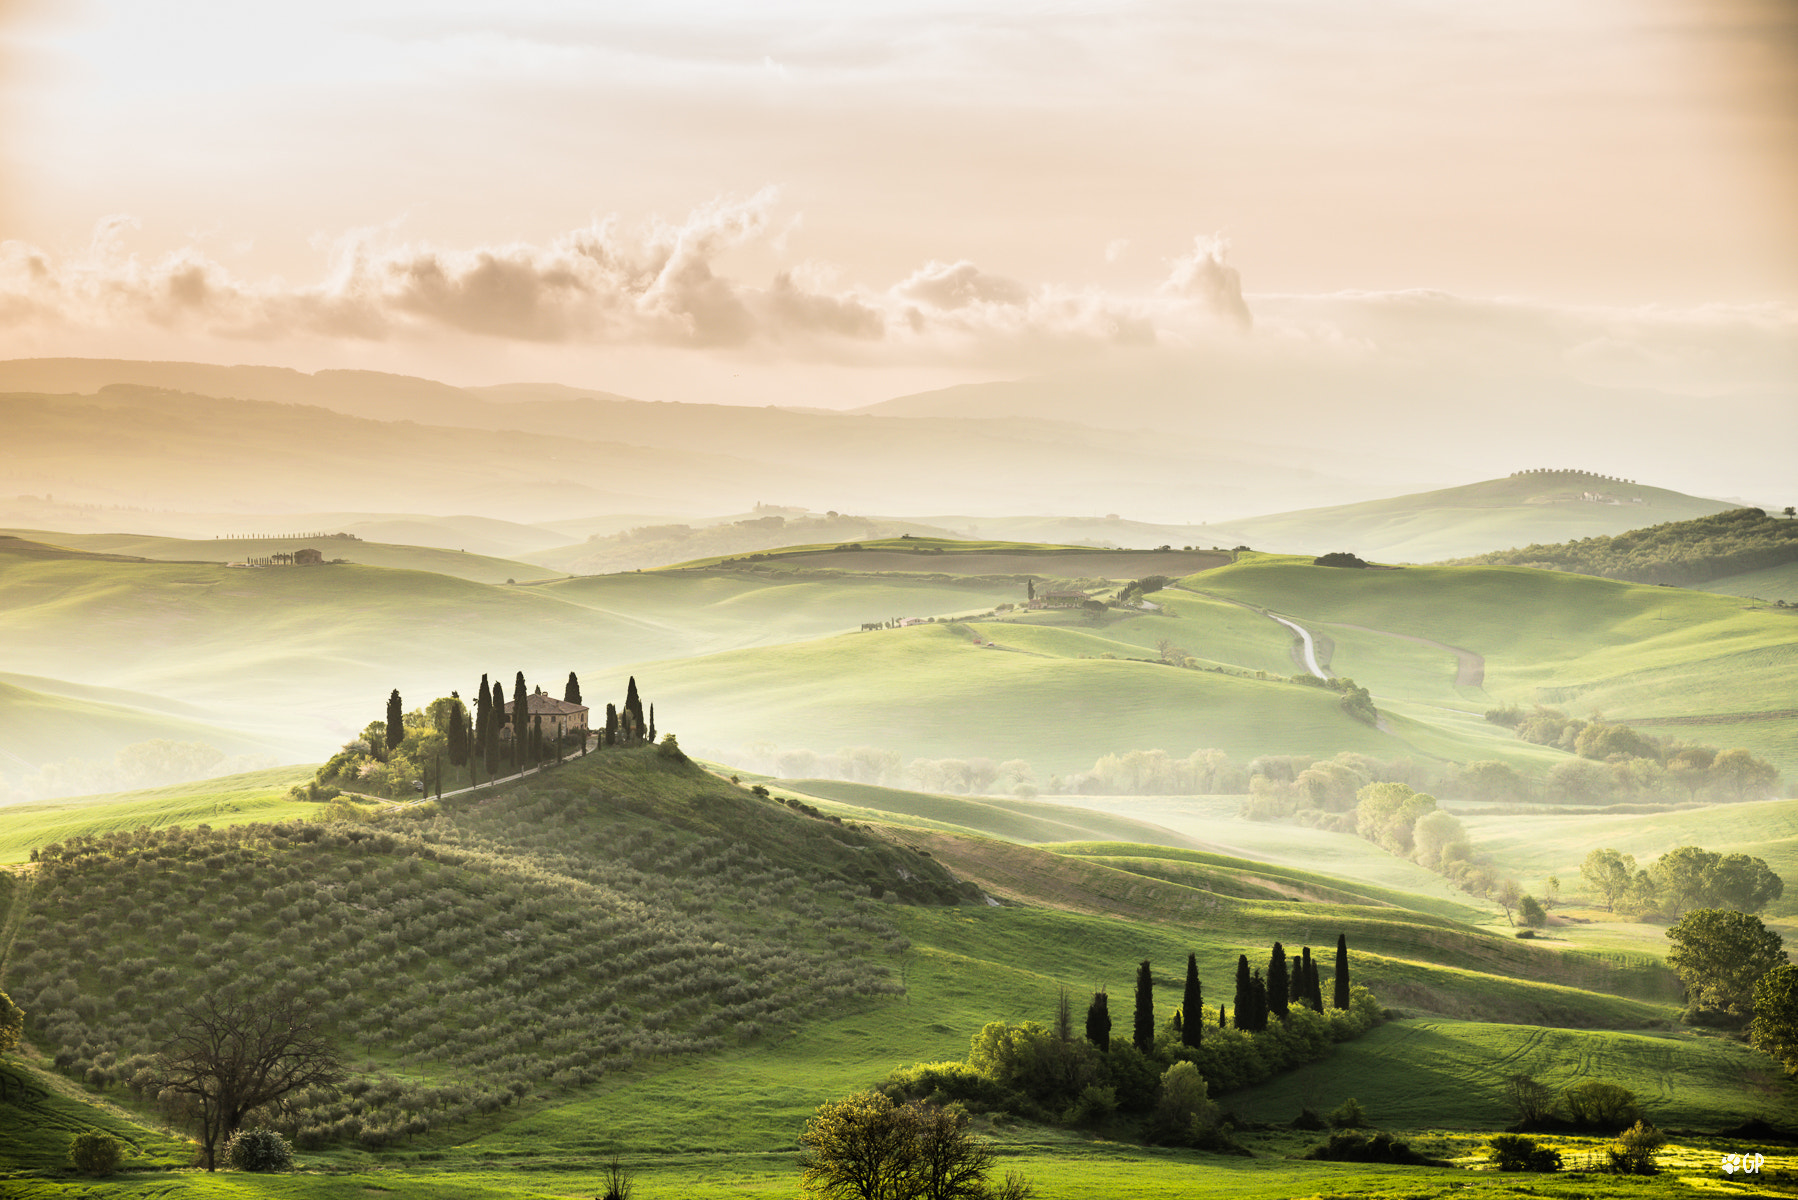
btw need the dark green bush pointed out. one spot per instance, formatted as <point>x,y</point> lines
<point>1599,1106</point>
<point>258,1150</point>
<point>95,1153</point>
<point>1514,1153</point>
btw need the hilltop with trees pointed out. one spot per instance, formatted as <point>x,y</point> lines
<point>1682,553</point>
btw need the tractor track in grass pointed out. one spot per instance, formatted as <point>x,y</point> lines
<point>1470,667</point>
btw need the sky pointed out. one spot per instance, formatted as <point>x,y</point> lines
<point>827,204</point>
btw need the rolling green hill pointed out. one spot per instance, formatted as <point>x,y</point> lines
<point>476,567</point>
<point>1628,650</point>
<point>39,727</point>
<point>1471,519</point>
<point>1683,553</point>
<point>581,930</point>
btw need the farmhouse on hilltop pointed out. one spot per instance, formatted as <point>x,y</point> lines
<point>559,717</point>
<point>308,557</point>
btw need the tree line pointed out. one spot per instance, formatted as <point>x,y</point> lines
<point>1156,1079</point>
<point>1613,760</point>
<point>1680,553</point>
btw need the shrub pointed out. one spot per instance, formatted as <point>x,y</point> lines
<point>1513,1153</point>
<point>1308,1119</point>
<point>1633,1151</point>
<point>94,1153</point>
<point>1600,1106</point>
<point>1094,1106</point>
<point>1359,1147</point>
<point>258,1150</point>
<point>1349,1116</point>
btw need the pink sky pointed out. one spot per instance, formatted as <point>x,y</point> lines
<point>826,204</point>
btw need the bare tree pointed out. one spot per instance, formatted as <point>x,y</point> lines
<point>237,1053</point>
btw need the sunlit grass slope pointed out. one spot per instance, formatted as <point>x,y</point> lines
<point>1453,1074</point>
<point>39,727</point>
<point>226,800</point>
<point>1471,519</point>
<point>1556,843</point>
<point>1769,583</point>
<point>931,692</point>
<point>1629,650</point>
<point>478,567</point>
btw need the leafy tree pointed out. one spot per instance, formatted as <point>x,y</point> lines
<point>1279,986</point>
<point>236,1053</point>
<point>1609,873</point>
<point>1633,1151</point>
<point>12,1023</point>
<point>396,721</point>
<point>1743,775</point>
<point>571,692</point>
<point>1551,892</point>
<point>1531,912</point>
<point>1182,1108</point>
<point>863,1147</point>
<point>1192,1030</point>
<point>1098,1022</point>
<point>1144,1029</point>
<point>1598,1105</point>
<point>1719,955</point>
<point>1507,896</point>
<point>1385,814</point>
<point>93,1152</point>
<point>1533,1100</point>
<point>1341,998</point>
<point>1349,1116</point>
<point>856,1148</point>
<point>1774,1029</point>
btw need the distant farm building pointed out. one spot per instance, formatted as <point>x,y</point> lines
<point>559,717</point>
<point>1059,600</point>
<point>302,558</point>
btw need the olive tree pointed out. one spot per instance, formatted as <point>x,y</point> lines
<point>864,1147</point>
<point>235,1053</point>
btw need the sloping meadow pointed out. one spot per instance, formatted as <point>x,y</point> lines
<point>464,958</point>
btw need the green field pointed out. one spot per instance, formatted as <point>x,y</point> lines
<point>1769,583</point>
<point>724,1122</point>
<point>228,800</point>
<point>457,564</point>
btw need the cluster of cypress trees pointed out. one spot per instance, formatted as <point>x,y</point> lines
<point>1259,997</point>
<point>473,740</point>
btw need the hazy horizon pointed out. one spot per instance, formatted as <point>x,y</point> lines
<point>805,207</point>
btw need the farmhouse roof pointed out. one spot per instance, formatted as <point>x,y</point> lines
<point>542,704</point>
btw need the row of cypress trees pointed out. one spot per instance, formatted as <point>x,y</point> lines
<point>1258,998</point>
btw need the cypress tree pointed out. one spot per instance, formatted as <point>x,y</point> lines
<point>633,707</point>
<point>483,715</point>
<point>496,720</point>
<point>1342,976</point>
<point>1192,1032</point>
<point>1296,991</point>
<point>1259,992</point>
<point>520,707</point>
<point>1279,985</point>
<point>1098,1023</point>
<point>611,725</point>
<point>1178,1026</point>
<point>1314,989</point>
<point>1220,1017</point>
<point>1145,1009</point>
<point>572,693</point>
<point>396,721</point>
<point>1245,994</point>
<point>652,722</point>
<point>457,738</point>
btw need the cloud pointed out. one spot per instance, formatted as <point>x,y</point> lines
<point>1203,276</point>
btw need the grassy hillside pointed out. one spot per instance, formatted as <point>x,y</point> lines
<point>1471,519</point>
<point>1629,650</point>
<point>1683,553</point>
<point>221,802</point>
<point>456,564</point>
<point>40,727</point>
<point>1768,583</point>
<point>548,889</point>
